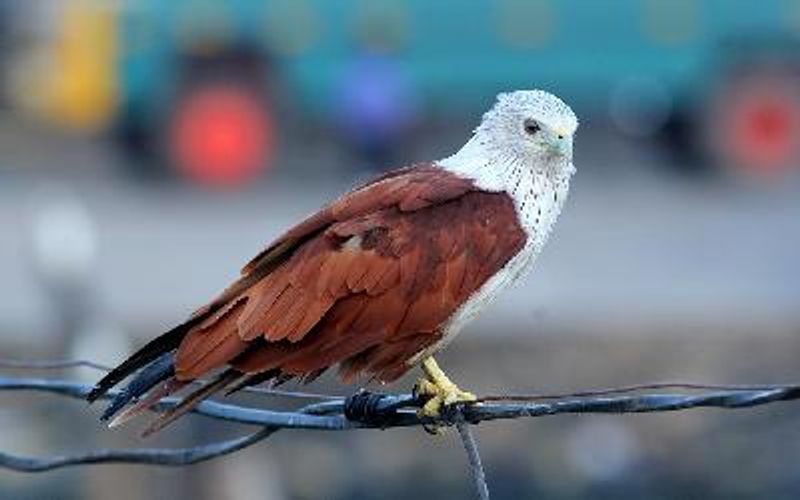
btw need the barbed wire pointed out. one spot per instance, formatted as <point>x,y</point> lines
<point>367,410</point>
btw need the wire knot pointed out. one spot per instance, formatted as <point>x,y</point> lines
<point>365,407</point>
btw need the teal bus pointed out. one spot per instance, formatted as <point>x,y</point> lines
<point>713,75</point>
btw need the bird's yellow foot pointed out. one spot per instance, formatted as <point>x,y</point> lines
<point>441,395</point>
<point>440,390</point>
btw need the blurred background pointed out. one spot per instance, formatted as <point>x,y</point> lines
<point>149,148</point>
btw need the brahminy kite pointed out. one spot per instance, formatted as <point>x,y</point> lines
<point>380,279</point>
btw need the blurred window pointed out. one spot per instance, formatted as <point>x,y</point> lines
<point>671,22</point>
<point>523,24</point>
<point>291,27</point>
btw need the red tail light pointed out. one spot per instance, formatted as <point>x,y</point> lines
<point>761,124</point>
<point>221,135</point>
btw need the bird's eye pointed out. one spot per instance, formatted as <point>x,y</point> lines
<point>532,127</point>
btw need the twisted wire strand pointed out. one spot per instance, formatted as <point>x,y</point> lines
<point>384,411</point>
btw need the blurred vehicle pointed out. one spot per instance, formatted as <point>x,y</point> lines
<point>193,83</point>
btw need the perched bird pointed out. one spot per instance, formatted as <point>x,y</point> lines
<point>380,279</point>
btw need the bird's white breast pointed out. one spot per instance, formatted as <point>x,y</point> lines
<point>538,199</point>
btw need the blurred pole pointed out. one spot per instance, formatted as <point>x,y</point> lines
<point>63,255</point>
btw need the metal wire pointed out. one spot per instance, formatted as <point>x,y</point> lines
<point>366,410</point>
<point>388,410</point>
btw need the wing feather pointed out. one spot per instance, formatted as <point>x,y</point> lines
<point>382,276</point>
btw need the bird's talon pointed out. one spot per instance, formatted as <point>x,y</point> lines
<point>439,397</point>
<point>457,396</point>
<point>425,389</point>
<point>438,394</point>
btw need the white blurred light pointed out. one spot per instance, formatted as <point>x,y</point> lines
<point>63,234</point>
<point>602,449</point>
<point>640,106</point>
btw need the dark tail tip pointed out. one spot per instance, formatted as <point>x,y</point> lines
<point>153,350</point>
<point>98,391</point>
<point>157,371</point>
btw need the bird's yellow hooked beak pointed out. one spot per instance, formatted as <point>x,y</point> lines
<point>562,143</point>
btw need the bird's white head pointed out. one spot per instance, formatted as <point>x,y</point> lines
<point>532,126</point>
<point>523,146</point>
<point>526,132</point>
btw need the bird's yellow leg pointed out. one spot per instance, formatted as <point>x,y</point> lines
<point>440,388</point>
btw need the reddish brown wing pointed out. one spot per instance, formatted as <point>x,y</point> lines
<point>406,188</point>
<point>366,282</point>
<point>206,338</point>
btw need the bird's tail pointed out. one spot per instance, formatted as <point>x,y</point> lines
<point>161,369</point>
<point>150,353</point>
<point>153,370</point>
<point>150,366</point>
<point>193,399</point>
<point>170,386</point>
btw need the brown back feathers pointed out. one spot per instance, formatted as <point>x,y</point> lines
<point>369,282</point>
